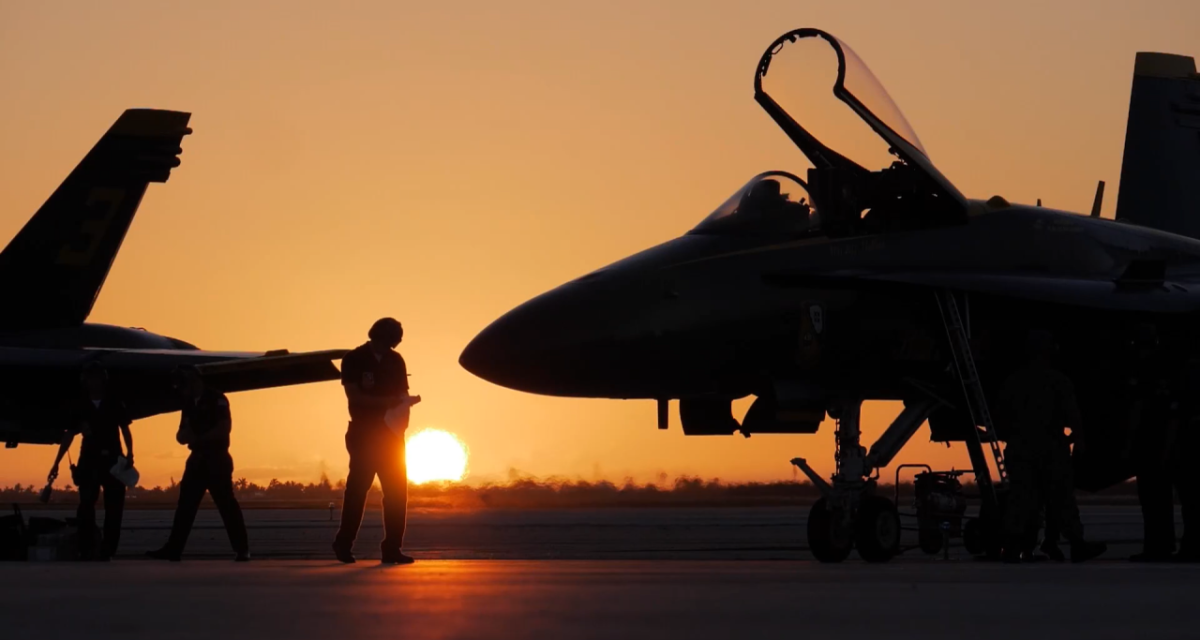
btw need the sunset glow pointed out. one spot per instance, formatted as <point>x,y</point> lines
<point>444,162</point>
<point>434,454</point>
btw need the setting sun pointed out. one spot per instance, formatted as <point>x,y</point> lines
<point>433,454</point>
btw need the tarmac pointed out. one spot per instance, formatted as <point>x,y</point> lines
<point>696,600</point>
<point>755,533</point>
<point>700,574</point>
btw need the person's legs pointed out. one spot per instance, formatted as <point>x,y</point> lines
<point>114,510</point>
<point>1024,503</point>
<point>358,483</point>
<point>1189,542</point>
<point>1054,520</point>
<point>1062,509</point>
<point>1158,517</point>
<point>220,487</point>
<point>85,515</point>
<point>1188,487</point>
<point>393,476</point>
<point>1054,528</point>
<point>1052,536</point>
<point>191,491</point>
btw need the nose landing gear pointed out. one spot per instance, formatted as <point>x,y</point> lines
<point>874,529</point>
<point>850,514</point>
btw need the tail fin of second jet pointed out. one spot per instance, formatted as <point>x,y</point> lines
<point>52,271</point>
<point>1160,173</point>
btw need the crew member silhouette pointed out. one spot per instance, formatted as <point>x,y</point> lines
<point>104,421</point>
<point>1037,406</point>
<point>204,427</point>
<point>375,379</point>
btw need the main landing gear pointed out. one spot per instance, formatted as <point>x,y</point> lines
<point>851,514</point>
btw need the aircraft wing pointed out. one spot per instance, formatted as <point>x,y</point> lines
<point>228,371</point>
<point>1168,295</point>
<point>144,374</point>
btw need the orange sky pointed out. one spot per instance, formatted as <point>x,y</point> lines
<point>444,162</point>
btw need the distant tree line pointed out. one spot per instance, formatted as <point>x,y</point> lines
<point>287,490</point>
<point>518,493</point>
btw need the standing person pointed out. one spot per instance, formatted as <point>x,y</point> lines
<point>1157,385</point>
<point>1037,405</point>
<point>104,421</point>
<point>375,379</point>
<point>1186,483</point>
<point>204,427</point>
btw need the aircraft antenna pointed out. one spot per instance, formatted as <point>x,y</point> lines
<point>1099,200</point>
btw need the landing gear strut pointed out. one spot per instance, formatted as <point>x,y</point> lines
<point>850,509</point>
<point>850,513</point>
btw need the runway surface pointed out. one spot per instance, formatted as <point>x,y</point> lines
<point>586,534</point>
<point>695,600</point>
<point>603,573</point>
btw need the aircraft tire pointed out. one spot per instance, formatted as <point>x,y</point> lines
<point>877,529</point>
<point>827,539</point>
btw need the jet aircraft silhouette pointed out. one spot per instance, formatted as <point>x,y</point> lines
<point>51,274</point>
<point>882,283</point>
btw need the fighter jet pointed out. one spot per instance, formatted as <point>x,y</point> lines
<point>860,282</point>
<point>51,274</point>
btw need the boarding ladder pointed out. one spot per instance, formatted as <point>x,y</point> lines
<point>968,375</point>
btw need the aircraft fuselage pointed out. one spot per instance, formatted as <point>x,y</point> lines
<point>704,314</point>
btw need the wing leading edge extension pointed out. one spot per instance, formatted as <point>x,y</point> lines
<point>1162,296</point>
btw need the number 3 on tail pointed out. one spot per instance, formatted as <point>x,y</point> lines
<point>102,203</point>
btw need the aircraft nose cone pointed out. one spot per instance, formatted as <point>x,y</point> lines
<point>536,347</point>
<point>484,356</point>
<point>511,351</point>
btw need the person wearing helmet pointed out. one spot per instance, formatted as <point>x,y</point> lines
<point>104,421</point>
<point>204,427</point>
<point>375,380</point>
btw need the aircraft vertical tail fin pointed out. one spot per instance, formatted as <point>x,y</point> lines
<point>1160,172</point>
<point>52,271</point>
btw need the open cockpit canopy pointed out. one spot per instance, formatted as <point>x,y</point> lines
<point>882,167</point>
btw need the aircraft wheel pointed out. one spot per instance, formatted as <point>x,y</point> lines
<point>929,539</point>
<point>877,531</point>
<point>828,538</point>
